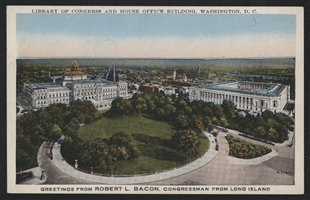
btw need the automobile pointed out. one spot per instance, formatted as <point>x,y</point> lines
<point>214,133</point>
<point>291,127</point>
<point>24,111</point>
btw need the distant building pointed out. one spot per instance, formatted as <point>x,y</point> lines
<point>170,90</point>
<point>74,86</point>
<point>249,96</point>
<point>184,78</point>
<point>148,89</point>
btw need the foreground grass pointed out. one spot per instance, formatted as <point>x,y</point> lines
<point>153,139</point>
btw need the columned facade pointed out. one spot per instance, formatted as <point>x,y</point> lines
<point>42,94</point>
<point>249,96</point>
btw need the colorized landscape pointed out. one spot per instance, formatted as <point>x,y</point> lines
<point>156,99</point>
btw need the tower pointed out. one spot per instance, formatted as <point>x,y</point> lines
<point>174,75</point>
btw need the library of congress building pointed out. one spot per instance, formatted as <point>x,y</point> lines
<point>74,86</point>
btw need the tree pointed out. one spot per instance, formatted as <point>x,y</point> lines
<point>215,121</point>
<point>207,111</point>
<point>218,112</point>
<point>210,127</point>
<point>199,124</point>
<point>180,104</point>
<point>56,111</point>
<point>86,107</point>
<point>223,122</point>
<point>272,135</point>
<point>120,107</point>
<point>94,153</point>
<point>55,132</point>
<point>169,111</point>
<point>188,141</point>
<point>207,121</point>
<point>160,113</point>
<point>267,114</point>
<point>108,153</point>
<point>140,105</point>
<point>229,109</point>
<point>260,132</point>
<point>185,140</point>
<point>151,106</point>
<point>181,122</point>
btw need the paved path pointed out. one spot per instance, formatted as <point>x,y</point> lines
<point>221,172</point>
<point>253,161</point>
<point>214,168</point>
<point>63,166</point>
<point>54,175</point>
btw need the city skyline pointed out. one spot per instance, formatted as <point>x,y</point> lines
<point>155,36</point>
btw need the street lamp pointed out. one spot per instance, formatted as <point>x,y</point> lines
<point>76,164</point>
<point>42,174</point>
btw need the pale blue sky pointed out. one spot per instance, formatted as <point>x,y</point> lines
<point>141,30</point>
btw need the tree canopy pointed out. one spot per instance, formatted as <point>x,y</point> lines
<point>106,154</point>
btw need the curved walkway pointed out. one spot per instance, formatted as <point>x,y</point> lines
<point>62,165</point>
<point>222,172</point>
<point>253,161</point>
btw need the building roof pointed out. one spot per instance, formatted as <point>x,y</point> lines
<point>273,89</point>
<point>49,85</point>
<point>98,81</point>
<point>45,85</point>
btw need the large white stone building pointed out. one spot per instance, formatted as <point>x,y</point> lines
<point>74,86</point>
<point>249,96</point>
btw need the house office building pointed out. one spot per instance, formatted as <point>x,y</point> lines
<point>249,96</point>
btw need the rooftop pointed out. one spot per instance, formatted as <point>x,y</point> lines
<point>44,85</point>
<point>273,89</point>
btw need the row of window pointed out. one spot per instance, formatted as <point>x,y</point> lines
<point>53,100</point>
<point>252,87</point>
<point>53,95</point>
<point>85,86</point>
<point>236,99</point>
<point>100,97</point>
<point>59,95</point>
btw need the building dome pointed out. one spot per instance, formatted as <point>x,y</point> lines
<point>74,74</point>
<point>74,71</point>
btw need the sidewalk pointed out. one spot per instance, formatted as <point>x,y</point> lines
<point>253,161</point>
<point>200,162</point>
<point>36,171</point>
<point>37,175</point>
<point>285,143</point>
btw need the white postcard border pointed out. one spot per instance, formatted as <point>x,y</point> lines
<point>298,188</point>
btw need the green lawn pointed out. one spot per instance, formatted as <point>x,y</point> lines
<point>153,139</point>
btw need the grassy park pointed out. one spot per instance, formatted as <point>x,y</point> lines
<point>151,137</point>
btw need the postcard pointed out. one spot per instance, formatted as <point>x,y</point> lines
<point>155,100</point>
